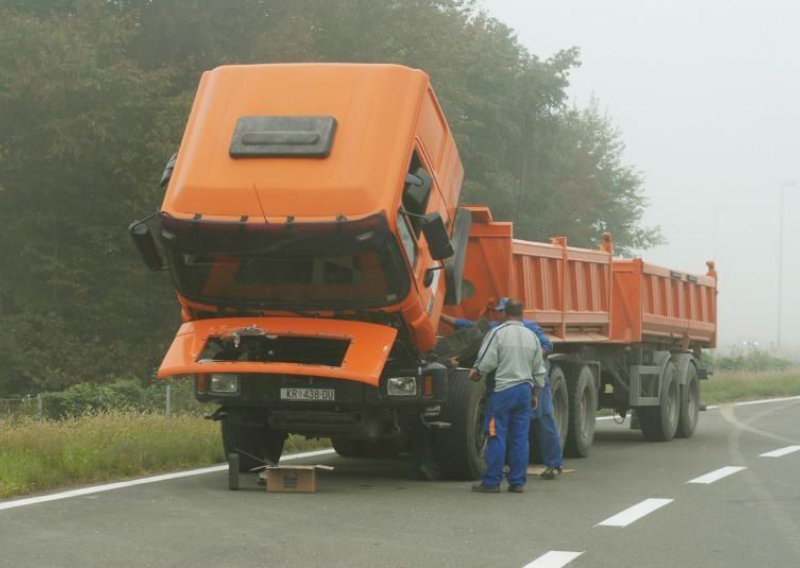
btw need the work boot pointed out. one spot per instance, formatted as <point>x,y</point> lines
<point>516,488</point>
<point>481,488</point>
<point>551,473</point>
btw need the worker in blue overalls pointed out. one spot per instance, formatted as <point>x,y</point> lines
<point>543,421</point>
<point>513,355</point>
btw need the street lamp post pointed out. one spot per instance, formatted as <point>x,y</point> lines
<point>784,186</point>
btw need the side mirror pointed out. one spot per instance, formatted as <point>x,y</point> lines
<point>146,244</point>
<point>437,237</point>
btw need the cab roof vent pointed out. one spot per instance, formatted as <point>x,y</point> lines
<point>283,136</point>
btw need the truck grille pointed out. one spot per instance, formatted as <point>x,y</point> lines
<point>277,349</point>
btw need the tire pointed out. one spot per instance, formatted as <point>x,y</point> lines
<point>257,440</point>
<point>690,404</point>
<point>349,448</point>
<point>346,447</point>
<point>660,423</point>
<point>582,412</point>
<point>558,388</point>
<point>460,449</point>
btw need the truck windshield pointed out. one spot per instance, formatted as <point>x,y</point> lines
<point>334,265</point>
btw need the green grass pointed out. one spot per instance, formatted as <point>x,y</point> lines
<point>39,455</point>
<point>729,386</point>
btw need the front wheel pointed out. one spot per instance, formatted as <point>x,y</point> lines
<point>460,449</point>
<point>255,443</point>
<point>351,448</point>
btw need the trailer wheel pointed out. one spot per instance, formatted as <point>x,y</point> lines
<point>690,404</point>
<point>460,448</point>
<point>257,440</point>
<point>659,423</point>
<point>582,408</point>
<point>560,394</point>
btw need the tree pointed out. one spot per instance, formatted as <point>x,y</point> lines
<point>94,95</point>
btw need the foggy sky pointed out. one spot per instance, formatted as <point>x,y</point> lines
<point>707,96</point>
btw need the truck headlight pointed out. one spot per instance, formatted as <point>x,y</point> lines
<point>224,384</point>
<point>401,386</point>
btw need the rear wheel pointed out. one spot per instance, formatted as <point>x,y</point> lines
<point>582,405</point>
<point>460,448</point>
<point>660,423</point>
<point>560,395</point>
<point>253,442</point>
<point>690,404</point>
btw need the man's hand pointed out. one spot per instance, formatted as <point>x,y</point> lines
<point>474,375</point>
<point>453,361</point>
<point>534,401</point>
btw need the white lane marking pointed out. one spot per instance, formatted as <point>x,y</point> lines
<point>780,452</point>
<point>717,474</point>
<point>554,559</point>
<point>634,513</point>
<point>767,400</point>
<point>142,481</point>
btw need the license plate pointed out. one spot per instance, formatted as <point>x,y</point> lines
<point>320,395</point>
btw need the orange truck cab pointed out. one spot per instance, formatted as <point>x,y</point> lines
<point>311,228</point>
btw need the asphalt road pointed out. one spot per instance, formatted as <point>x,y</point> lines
<point>368,513</point>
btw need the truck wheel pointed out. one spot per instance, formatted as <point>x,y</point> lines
<point>460,448</point>
<point>558,388</point>
<point>582,408</point>
<point>259,441</point>
<point>659,423</point>
<point>690,404</point>
<point>346,447</point>
<point>349,448</point>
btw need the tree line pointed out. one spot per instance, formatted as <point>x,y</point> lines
<point>94,95</point>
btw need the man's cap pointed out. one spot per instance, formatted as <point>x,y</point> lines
<point>501,305</point>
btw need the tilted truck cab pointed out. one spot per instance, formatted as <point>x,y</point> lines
<point>311,228</point>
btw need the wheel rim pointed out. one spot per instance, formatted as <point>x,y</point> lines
<point>586,413</point>
<point>673,404</point>
<point>691,400</point>
<point>560,409</point>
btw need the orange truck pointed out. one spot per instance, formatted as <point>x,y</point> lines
<point>313,231</point>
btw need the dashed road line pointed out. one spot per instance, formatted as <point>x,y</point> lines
<point>634,513</point>
<point>141,481</point>
<point>779,453</point>
<point>554,559</point>
<point>717,474</point>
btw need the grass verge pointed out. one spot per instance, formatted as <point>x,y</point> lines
<point>39,455</point>
<point>732,386</point>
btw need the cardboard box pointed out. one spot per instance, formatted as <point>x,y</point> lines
<point>293,478</point>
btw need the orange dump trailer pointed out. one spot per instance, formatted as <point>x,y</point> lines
<point>583,296</point>
<point>312,228</point>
